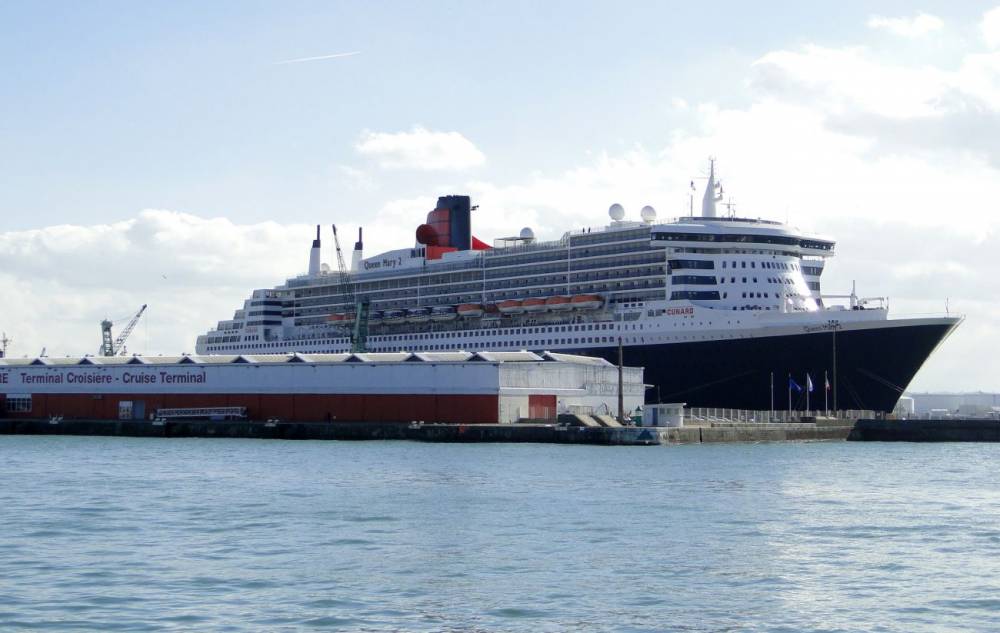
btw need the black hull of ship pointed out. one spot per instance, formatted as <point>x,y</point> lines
<point>873,367</point>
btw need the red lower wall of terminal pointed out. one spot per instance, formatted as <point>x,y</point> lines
<point>293,408</point>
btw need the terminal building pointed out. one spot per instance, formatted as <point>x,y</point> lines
<point>455,387</point>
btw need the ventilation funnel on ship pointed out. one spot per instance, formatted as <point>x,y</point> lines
<point>449,225</point>
<point>314,255</point>
<point>358,255</point>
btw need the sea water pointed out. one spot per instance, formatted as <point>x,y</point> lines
<point>121,534</point>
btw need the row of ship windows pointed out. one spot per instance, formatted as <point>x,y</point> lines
<point>741,238</point>
<point>558,259</point>
<point>551,329</point>
<point>714,295</point>
<point>521,293</point>
<point>577,277</point>
<point>586,259</point>
<point>476,295</point>
<point>711,281</point>
<point>707,264</point>
<point>535,344</point>
<point>515,279</point>
<point>486,345</point>
<point>318,316</point>
<point>561,253</point>
<point>772,265</point>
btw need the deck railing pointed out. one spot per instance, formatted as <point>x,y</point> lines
<point>744,416</point>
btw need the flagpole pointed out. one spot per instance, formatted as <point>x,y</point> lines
<point>808,380</point>
<point>789,394</point>
<point>772,397</point>
<point>826,394</point>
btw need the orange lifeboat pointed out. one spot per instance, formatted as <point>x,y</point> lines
<point>511,306</point>
<point>559,303</point>
<point>534,304</point>
<point>336,318</point>
<point>587,302</point>
<point>470,310</point>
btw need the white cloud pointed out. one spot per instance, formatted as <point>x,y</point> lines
<point>420,149</point>
<point>898,108</point>
<point>849,79</point>
<point>990,27</point>
<point>918,25</point>
<point>59,282</point>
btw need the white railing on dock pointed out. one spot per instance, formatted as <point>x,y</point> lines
<point>708,415</point>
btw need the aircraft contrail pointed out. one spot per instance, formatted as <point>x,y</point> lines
<point>313,59</point>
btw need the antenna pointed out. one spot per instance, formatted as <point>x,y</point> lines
<point>4,342</point>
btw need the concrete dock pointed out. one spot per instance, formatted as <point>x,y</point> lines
<point>343,430</point>
<point>948,430</point>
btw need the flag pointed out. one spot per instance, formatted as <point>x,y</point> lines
<point>827,381</point>
<point>794,385</point>
<point>809,383</point>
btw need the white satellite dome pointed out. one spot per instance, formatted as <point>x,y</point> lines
<point>527,234</point>
<point>617,212</point>
<point>648,214</point>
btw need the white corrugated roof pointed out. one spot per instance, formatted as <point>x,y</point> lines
<point>455,356</point>
<point>509,357</point>
<point>573,358</point>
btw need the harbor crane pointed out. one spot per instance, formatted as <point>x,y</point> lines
<point>359,333</point>
<point>116,347</point>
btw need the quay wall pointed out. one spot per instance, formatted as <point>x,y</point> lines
<point>949,430</point>
<point>452,433</point>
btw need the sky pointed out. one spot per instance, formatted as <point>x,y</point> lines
<point>177,154</point>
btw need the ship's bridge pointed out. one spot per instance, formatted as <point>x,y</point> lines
<point>739,233</point>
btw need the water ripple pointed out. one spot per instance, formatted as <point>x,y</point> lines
<point>125,534</point>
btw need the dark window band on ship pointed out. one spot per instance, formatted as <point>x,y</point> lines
<point>742,239</point>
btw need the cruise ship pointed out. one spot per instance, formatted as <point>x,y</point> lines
<point>721,311</point>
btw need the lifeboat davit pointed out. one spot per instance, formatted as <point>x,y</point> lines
<point>511,306</point>
<point>393,317</point>
<point>470,310</point>
<point>534,304</point>
<point>587,302</point>
<point>559,303</point>
<point>443,313</point>
<point>418,315</point>
<point>375,317</point>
